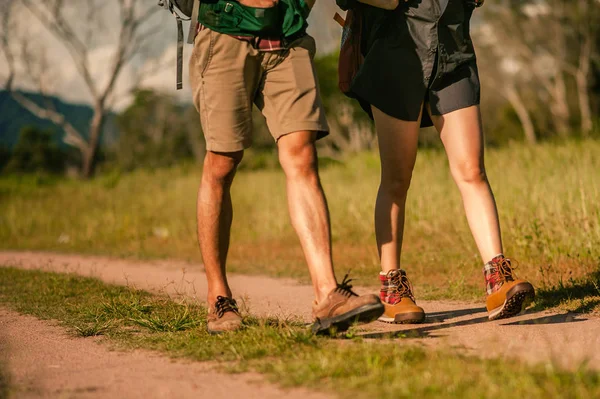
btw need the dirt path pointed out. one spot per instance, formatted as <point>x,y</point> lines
<point>566,340</point>
<point>45,362</point>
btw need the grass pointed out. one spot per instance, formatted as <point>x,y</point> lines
<point>4,381</point>
<point>576,295</point>
<point>548,197</point>
<point>283,350</point>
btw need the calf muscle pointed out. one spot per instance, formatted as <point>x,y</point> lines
<point>215,215</point>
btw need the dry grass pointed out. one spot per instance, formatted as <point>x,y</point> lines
<point>548,196</point>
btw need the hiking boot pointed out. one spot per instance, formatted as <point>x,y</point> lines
<point>224,316</point>
<point>397,296</point>
<point>342,308</point>
<point>507,297</point>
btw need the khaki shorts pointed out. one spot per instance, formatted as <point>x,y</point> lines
<point>229,75</point>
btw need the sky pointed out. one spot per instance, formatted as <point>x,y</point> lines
<point>60,77</point>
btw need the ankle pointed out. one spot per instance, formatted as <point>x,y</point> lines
<point>495,259</point>
<point>386,269</point>
<point>213,296</point>
<point>323,291</point>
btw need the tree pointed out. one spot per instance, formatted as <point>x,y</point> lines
<point>155,132</point>
<point>586,15</point>
<point>53,15</point>
<point>550,43</point>
<point>505,79</point>
<point>5,153</point>
<point>351,128</point>
<point>35,151</point>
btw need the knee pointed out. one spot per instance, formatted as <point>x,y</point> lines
<point>469,173</point>
<point>219,168</point>
<point>395,185</point>
<point>299,161</point>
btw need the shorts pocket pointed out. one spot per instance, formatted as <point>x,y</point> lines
<point>208,51</point>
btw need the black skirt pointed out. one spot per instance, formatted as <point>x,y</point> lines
<point>418,53</point>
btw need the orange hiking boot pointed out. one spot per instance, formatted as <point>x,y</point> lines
<point>342,308</point>
<point>507,297</point>
<point>223,317</point>
<point>397,296</point>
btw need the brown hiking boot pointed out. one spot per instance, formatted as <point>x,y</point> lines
<point>343,308</point>
<point>507,297</point>
<point>224,316</point>
<point>397,296</point>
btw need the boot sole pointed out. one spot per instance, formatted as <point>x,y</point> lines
<point>517,300</point>
<point>220,332</point>
<point>404,318</point>
<point>341,323</point>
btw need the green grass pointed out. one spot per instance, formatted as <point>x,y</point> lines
<point>548,197</point>
<point>4,381</point>
<point>283,350</point>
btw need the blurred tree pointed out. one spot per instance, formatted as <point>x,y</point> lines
<point>351,128</point>
<point>502,80</point>
<point>4,156</point>
<point>35,151</point>
<point>543,52</point>
<point>155,131</point>
<point>76,25</point>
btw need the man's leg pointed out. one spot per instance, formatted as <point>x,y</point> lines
<point>308,207</point>
<point>336,306</point>
<point>289,99</point>
<point>215,213</point>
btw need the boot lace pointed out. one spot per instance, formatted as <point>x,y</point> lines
<point>224,305</point>
<point>401,285</point>
<point>345,288</point>
<point>505,270</point>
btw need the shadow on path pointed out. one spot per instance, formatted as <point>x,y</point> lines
<point>425,331</point>
<point>422,332</point>
<point>552,319</point>
<point>439,317</point>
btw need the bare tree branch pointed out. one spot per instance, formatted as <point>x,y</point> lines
<point>4,42</point>
<point>52,14</point>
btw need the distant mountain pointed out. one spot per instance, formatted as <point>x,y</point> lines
<point>13,117</point>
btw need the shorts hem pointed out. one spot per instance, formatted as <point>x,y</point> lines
<point>322,130</point>
<point>384,107</point>
<point>227,147</point>
<point>456,108</point>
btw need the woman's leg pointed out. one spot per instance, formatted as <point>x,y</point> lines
<point>462,134</point>
<point>398,151</point>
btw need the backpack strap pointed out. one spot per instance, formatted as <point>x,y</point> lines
<point>169,5</point>
<point>193,22</point>
<point>339,19</point>
<point>179,53</point>
<point>191,37</point>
